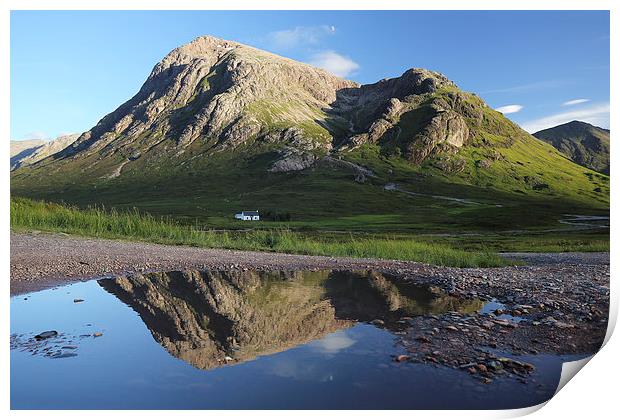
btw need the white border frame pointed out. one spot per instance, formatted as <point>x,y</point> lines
<point>592,395</point>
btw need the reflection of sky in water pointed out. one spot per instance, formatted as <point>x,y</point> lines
<point>336,357</point>
<point>299,371</point>
<point>315,370</point>
<point>333,343</point>
<point>127,368</point>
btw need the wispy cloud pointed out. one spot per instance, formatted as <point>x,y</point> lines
<point>333,62</point>
<point>300,35</point>
<point>545,84</point>
<point>596,114</point>
<point>509,109</point>
<point>36,135</point>
<point>575,102</point>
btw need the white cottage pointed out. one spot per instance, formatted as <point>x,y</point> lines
<point>248,215</point>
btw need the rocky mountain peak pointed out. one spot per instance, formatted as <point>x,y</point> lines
<point>211,95</point>
<point>218,91</point>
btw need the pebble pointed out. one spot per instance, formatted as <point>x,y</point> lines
<point>504,323</point>
<point>402,358</point>
<point>495,365</point>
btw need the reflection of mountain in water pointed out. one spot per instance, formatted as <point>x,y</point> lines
<point>208,317</point>
<point>371,295</point>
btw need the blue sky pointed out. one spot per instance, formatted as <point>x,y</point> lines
<point>541,68</point>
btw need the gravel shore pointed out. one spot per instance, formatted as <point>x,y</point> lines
<point>42,260</point>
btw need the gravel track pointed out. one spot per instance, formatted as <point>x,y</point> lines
<point>42,260</point>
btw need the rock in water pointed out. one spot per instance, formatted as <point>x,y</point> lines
<point>45,335</point>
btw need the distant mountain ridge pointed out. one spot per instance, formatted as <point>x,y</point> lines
<point>584,143</point>
<point>27,152</point>
<point>21,148</point>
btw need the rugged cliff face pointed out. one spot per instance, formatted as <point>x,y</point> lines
<point>220,94</point>
<point>214,318</point>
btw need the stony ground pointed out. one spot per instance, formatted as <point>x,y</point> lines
<point>42,260</point>
<point>556,303</point>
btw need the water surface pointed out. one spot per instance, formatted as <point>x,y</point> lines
<point>243,339</point>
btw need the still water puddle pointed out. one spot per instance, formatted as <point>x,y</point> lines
<point>190,340</point>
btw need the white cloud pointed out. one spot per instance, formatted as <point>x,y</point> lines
<point>509,109</point>
<point>36,135</point>
<point>545,84</point>
<point>575,102</point>
<point>300,35</point>
<point>333,62</point>
<point>596,114</point>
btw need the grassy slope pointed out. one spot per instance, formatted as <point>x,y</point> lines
<point>516,161</point>
<point>27,214</point>
<point>322,197</point>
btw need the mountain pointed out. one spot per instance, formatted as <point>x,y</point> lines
<point>220,127</point>
<point>27,152</point>
<point>584,143</point>
<point>23,148</point>
<point>20,146</point>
